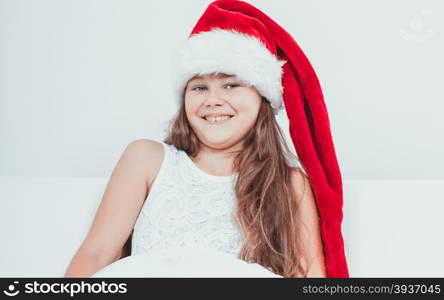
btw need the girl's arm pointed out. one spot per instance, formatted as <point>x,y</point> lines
<point>85,264</point>
<point>310,231</point>
<point>116,216</point>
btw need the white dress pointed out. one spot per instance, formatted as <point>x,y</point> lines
<point>186,227</point>
<point>187,207</point>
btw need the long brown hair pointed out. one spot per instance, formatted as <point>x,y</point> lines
<point>267,207</point>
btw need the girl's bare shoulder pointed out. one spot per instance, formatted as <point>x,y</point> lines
<point>150,154</point>
<point>299,180</point>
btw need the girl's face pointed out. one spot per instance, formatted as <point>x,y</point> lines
<point>221,96</point>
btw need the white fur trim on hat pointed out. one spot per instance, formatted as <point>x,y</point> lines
<point>231,52</point>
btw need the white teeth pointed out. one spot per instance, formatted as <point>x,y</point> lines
<point>217,119</point>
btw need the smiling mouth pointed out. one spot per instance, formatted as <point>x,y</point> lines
<point>217,121</point>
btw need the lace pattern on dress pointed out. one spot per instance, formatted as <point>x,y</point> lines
<point>187,207</point>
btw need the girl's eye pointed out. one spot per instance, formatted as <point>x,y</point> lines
<point>232,84</point>
<point>198,87</point>
<point>202,87</point>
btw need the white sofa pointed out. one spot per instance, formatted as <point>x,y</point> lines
<point>391,228</point>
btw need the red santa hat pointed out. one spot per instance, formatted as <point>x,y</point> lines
<point>234,37</point>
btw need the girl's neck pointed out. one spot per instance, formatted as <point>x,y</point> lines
<point>216,161</point>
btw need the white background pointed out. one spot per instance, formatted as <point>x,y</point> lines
<point>79,80</point>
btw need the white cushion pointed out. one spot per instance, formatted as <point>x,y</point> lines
<point>183,262</point>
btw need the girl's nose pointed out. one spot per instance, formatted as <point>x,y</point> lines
<point>214,97</point>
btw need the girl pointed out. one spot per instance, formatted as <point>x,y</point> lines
<point>223,177</point>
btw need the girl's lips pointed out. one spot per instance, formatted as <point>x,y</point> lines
<point>217,123</point>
